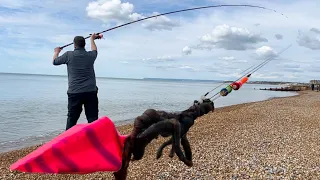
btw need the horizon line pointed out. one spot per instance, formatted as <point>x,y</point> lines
<point>146,78</point>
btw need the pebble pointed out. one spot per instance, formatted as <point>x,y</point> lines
<point>273,139</point>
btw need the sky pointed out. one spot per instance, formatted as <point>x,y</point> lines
<point>216,43</point>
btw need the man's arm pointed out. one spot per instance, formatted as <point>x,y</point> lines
<point>94,49</point>
<point>59,60</point>
<point>93,44</point>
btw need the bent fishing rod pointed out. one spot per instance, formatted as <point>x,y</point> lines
<point>259,66</point>
<point>177,11</point>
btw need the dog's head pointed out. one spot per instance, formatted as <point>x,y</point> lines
<point>204,106</point>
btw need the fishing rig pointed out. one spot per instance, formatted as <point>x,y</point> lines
<point>237,84</point>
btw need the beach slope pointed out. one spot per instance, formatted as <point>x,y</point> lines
<point>268,139</point>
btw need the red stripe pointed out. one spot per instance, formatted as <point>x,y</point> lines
<point>64,159</point>
<point>107,155</point>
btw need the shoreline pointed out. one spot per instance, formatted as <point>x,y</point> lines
<point>22,143</point>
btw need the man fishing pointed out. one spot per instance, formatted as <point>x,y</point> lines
<point>82,88</point>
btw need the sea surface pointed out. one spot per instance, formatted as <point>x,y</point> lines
<point>33,108</point>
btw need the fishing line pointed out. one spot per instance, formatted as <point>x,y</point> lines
<point>264,62</point>
<point>172,12</point>
<point>259,66</point>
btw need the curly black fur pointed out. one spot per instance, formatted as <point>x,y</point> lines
<point>153,123</point>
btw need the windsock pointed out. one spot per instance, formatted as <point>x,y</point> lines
<point>83,149</point>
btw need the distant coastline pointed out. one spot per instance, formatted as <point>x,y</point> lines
<point>166,79</point>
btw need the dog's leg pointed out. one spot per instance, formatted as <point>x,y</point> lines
<point>165,144</point>
<point>176,143</point>
<point>166,126</point>
<point>126,156</point>
<point>186,146</point>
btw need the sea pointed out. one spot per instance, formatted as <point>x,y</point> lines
<point>33,108</point>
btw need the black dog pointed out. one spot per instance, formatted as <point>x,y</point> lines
<point>153,123</point>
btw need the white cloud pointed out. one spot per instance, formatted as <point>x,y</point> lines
<point>124,62</point>
<point>258,75</point>
<point>289,65</point>
<point>230,38</point>
<point>159,23</point>
<point>186,50</point>
<point>227,58</point>
<point>265,52</point>
<point>113,10</point>
<point>159,59</point>
<point>188,68</point>
<point>118,12</point>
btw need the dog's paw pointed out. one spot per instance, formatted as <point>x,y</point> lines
<point>171,154</point>
<point>159,154</point>
<point>188,163</point>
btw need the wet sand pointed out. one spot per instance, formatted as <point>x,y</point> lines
<point>276,138</point>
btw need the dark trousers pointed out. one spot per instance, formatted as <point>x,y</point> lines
<point>75,102</point>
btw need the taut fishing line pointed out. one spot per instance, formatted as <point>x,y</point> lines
<point>255,69</point>
<point>172,12</point>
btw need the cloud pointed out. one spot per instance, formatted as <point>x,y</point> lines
<point>186,50</point>
<point>258,75</point>
<point>265,52</point>
<point>12,3</point>
<point>227,58</point>
<point>124,62</point>
<point>310,40</point>
<point>290,65</point>
<point>315,30</point>
<point>159,23</point>
<point>110,11</point>
<point>188,68</point>
<point>158,59</point>
<point>278,36</point>
<point>230,38</point>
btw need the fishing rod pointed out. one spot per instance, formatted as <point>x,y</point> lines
<point>177,11</point>
<point>259,66</point>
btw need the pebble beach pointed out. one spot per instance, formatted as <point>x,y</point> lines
<point>274,139</point>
